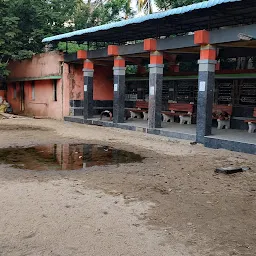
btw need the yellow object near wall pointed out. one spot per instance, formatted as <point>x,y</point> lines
<point>3,108</point>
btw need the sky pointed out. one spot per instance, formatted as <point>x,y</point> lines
<point>133,4</point>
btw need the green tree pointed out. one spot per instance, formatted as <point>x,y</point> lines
<point>8,33</point>
<point>24,23</point>
<point>98,13</point>
<point>169,4</point>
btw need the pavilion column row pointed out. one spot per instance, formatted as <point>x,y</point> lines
<point>206,82</point>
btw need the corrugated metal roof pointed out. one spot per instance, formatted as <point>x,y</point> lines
<point>159,15</point>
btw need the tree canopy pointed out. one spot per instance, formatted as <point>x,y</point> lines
<point>168,4</point>
<point>24,23</point>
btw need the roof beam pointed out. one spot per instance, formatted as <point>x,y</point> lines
<point>219,36</point>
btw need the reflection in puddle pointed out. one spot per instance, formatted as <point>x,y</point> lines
<point>65,156</point>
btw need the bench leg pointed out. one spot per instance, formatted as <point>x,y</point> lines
<point>166,118</point>
<point>185,119</point>
<point>223,123</point>
<point>134,115</point>
<point>228,124</point>
<point>145,116</point>
<point>252,127</point>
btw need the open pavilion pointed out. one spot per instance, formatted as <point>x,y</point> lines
<point>160,45</point>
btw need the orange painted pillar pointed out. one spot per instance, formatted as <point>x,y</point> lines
<point>206,84</point>
<point>88,88</point>
<point>119,84</point>
<point>156,67</point>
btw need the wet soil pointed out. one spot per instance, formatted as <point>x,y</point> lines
<point>65,156</point>
<point>171,203</point>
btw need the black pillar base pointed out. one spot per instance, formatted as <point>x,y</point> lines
<point>88,93</point>
<point>155,95</point>
<point>119,95</point>
<point>206,84</point>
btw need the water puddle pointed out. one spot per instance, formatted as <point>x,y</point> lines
<point>65,156</point>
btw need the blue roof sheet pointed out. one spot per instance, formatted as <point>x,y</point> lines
<point>159,15</point>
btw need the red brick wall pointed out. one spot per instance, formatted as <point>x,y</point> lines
<point>37,68</point>
<point>103,83</point>
<point>3,94</point>
<point>43,105</point>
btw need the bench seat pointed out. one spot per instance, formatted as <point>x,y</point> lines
<point>136,110</point>
<point>141,107</point>
<point>252,123</point>
<point>175,113</point>
<point>222,113</point>
<point>183,110</point>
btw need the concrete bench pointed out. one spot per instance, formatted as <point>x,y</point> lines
<point>141,107</point>
<point>222,113</point>
<point>252,123</point>
<point>183,110</point>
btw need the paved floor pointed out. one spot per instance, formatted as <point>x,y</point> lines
<point>230,134</point>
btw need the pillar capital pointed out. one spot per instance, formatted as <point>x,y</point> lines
<point>88,65</point>
<point>150,44</point>
<point>119,61</point>
<point>156,58</point>
<point>208,52</point>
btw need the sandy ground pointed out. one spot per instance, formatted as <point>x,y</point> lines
<point>170,204</point>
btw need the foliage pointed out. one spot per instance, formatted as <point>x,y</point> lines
<point>168,4</point>
<point>24,23</point>
<point>89,15</point>
<point>8,32</point>
<point>131,69</point>
<point>71,47</point>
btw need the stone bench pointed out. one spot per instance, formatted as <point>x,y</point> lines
<point>252,123</point>
<point>141,107</point>
<point>222,113</point>
<point>183,110</point>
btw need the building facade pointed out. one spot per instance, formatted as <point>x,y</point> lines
<point>46,86</point>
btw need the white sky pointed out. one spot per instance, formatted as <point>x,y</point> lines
<point>133,4</point>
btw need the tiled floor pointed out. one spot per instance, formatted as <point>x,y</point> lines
<point>230,134</point>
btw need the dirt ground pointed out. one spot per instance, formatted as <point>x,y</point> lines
<point>170,204</point>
